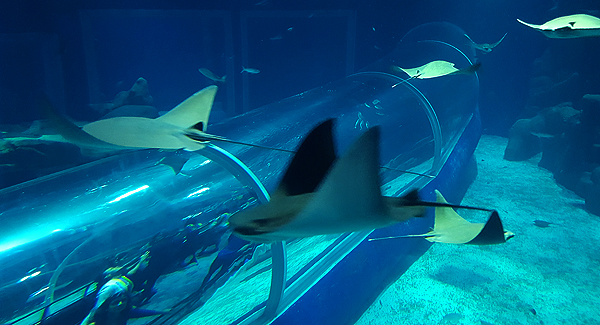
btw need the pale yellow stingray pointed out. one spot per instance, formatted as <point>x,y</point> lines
<point>183,127</point>
<point>451,228</point>
<point>572,26</point>
<point>432,69</point>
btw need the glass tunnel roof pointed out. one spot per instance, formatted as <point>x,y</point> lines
<point>108,211</point>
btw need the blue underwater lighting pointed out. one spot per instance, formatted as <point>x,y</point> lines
<point>137,190</point>
<point>198,192</point>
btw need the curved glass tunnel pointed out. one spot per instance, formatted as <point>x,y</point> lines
<point>60,232</point>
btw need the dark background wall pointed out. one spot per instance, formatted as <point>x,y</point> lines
<point>309,62</point>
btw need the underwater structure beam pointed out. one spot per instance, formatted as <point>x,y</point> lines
<point>247,177</point>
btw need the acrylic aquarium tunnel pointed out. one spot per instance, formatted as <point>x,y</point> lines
<point>62,233</point>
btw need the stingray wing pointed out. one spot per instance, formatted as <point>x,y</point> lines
<point>349,198</point>
<point>451,228</point>
<point>140,132</point>
<point>192,112</point>
<point>529,25</point>
<point>310,164</point>
<point>500,41</point>
<point>579,21</point>
<point>446,218</point>
<point>165,132</point>
<point>68,130</point>
<point>347,195</point>
<point>306,171</point>
<point>492,233</point>
<point>470,40</point>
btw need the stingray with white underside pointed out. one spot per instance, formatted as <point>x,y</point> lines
<point>572,26</point>
<point>183,127</point>
<point>322,194</point>
<point>170,131</point>
<point>435,69</point>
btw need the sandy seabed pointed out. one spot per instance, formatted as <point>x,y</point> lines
<point>541,276</point>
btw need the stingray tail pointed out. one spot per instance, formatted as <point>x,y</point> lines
<point>426,236</point>
<point>410,205</point>
<point>67,129</point>
<point>412,199</point>
<point>192,113</point>
<point>205,138</point>
<point>468,70</point>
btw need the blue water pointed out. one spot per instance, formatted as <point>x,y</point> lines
<point>82,55</point>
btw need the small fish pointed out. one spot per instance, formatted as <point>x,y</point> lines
<point>210,75</point>
<point>276,38</point>
<point>250,70</point>
<point>542,223</point>
<point>290,29</point>
<point>452,318</point>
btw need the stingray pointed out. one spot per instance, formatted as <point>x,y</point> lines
<point>451,228</point>
<point>169,131</point>
<point>485,47</point>
<point>183,127</point>
<point>434,69</point>
<point>572,26</point>
<point>210,75</point>
<point>321,194</point>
